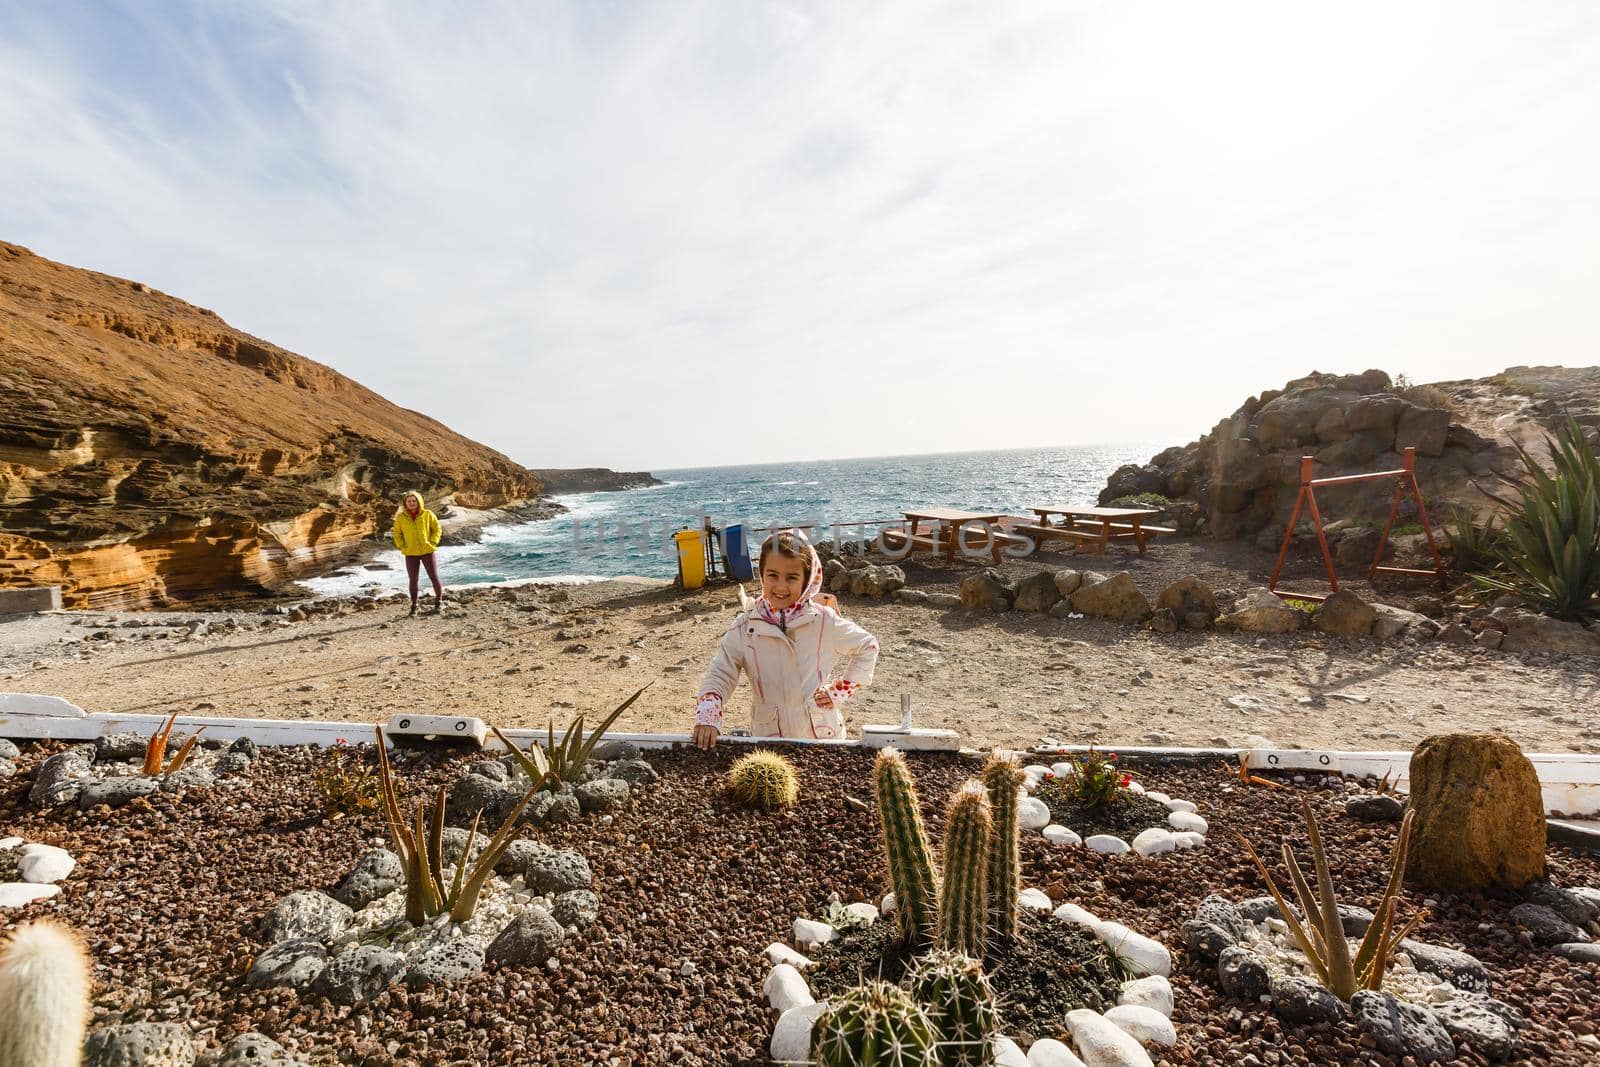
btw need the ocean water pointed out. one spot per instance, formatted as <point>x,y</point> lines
<point>604,535</point>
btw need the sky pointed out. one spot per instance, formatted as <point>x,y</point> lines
<point>673,234</point>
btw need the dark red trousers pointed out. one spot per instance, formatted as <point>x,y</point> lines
<point>414,564</point>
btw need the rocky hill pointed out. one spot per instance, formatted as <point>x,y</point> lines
<point>151,453</point>
<point>1241,479</point>
<point>594,480</point>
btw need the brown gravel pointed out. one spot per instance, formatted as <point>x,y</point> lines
<point>167,896</point>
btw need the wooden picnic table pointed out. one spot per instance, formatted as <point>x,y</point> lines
<point>950,521</point>
<point>1095,525</point>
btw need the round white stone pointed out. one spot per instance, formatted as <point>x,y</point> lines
<point>1144,955</point>
<point>1135,787</point>
<point>1154,842</point>
<point>1152,991</point>
<point>1036,772</point>
<point>1188,839</point>
<point>1035,899</point>
<point>888,903</point>
<point>1159,798</point>
<point>1057,834</point>
<point>16,894</point>
<point>811,932</point>
<point>1179,805</point>
<point>1144,1024</point>
<point>1005,1053</point>
<point>9,842</point>
<point>778,952</point>
<point>863,910</point>
<point>791,1037</point>
<point>1048,1052</point>
<point>1071,913</point>
<point>1062,769</point>
<point>1187,820</point>
<point>1103,1043</point>
<point>785,988</point>
<point>44,863</point>
<point>1032,814</point>
<point>1107,843</point>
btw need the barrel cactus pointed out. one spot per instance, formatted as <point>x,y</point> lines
<point>764,780</point>
<point>1003,778</point>
<point>963,897</point>
<point>960,1003</point>
<point>874,1025</point>
<point>905,846</point>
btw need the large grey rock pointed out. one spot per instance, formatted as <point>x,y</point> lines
<point>492,769</point>
<point>1206,940</point>
<point>252,1050</point>
<point>563,808</point>
<point>1260,612</point>
<point>545,869</point>
<point>139,1045</point>
<point>1260,909</point>
<point>603,794</point>
<point>115,792</point>
<point>607,751</point>
<point>473,793</point>
<point>1424,429</point>
<point>1454,966</point>
<point>454,840</point>
<point>1377,808</point>
<point>1242,974</point>
<point>1220,911</point>
<point>8,750</point>
<point>1546,925</point>
<point>186,779</point>
<point>1187,596</point>
<point>377,873</point>
<point>576,907</point>
<point>446,963</point>
<point>1577,908</point>
<point>1578,951</point>
<point>1377,415</point>
<point>635,772</point>
<point>1037,592</point>
<point>124,745</point>
<point>60,778</point>
<point>986,591</point>
<point>1490,1026</point>
<point>1117,598</point>
<point>306,913</point>
<point>295,962</point>
<point>231,763</point>
<point>1401,1028</point>
<point>1344,614</point>
<point>1540,633</point>
<point>529,939</point>
<point>1390,621</point>
<point>358,974</point>
<point>1304,1001</point>
<point>877,581</point>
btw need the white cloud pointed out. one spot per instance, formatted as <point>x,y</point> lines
<point>653,235</point>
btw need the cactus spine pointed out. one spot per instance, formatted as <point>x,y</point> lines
<point>44,997</point>
<point>960,1003</point>
<point>1003,777</point>
<point>905,846</point>
<point>764,780</point>
<point>874,1025</point>
<point>963,898</point>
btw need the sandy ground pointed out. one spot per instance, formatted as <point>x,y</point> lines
<point>523,656</point>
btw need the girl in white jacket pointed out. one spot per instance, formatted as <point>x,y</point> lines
<point>788,645</point>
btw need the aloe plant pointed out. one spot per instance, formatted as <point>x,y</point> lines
<point>155,750</point>
<point>420,846</point>
<point>563,761</point>
<point>1321,936</point>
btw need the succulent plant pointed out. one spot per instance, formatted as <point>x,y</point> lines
<point>763,779</point>
<point>964,894</point>
<point>44,996</point>
<point>1003,778</point>
<point>564,760</point>
<point>905,846</point>
<point>155,750</point>
<point>960,1003</point>
<point>874,1025</point>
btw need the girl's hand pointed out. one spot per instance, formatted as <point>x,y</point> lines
<point>822,698</point>
<point>705,738</point>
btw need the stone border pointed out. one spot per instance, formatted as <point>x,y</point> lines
<point>1185,828</point>
<point>1143,1012</point>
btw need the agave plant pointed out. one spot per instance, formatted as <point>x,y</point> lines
<point>1321,936</point>
<point>563,761</point>
<point>155,750</point>
<point>420,846</point>
<point>1551,554</point>
<point>1475,547</point>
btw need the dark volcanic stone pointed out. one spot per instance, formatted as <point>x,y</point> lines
<point>1546,925</point>
<point>139,1045</point>
<point>1303,1001</point>
<point>1454,966</point>
<point>1206,940</point>
<point>529,939</point>
<point>377,873</point>
<point>1220,912</point>
<point>358,974</point>
<point>306,913</point>
<point>1374,809</point>
<point>576,907</point>
<point>446,964</point>
<point>1401,1028</point>
<point>295,962</point>
<point>1241,974</point>
<point>116,791</point>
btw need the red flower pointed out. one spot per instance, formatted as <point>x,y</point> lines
<point>1126,778</point>
<point>1112,756</point>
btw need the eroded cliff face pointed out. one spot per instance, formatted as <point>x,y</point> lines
<point>150,453</point>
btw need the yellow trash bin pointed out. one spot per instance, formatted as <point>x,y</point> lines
<point>691,558</point>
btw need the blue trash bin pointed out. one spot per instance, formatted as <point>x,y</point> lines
<point>738,554</point>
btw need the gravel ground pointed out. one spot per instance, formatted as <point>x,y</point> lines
<point>692,890</point>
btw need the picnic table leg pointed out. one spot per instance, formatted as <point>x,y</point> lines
<point>949,533</point>
<point>1105,537</point>
<point>1138,534</point>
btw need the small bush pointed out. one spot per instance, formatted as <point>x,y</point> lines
<point>1475,547</point>
<point>1096,780</point>
<point>1140,500</point>
<point>347,787</point>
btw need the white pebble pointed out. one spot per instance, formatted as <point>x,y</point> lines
<point>1154,842</point>
<point>1059,835</point>
<point>1188,839</point>
<point>1063,769</point>
<point>1107,843</point>
<point>1036,771</point>
<point>1048,1052</point>
<point>863,910</point>
<point>811,932</point>
<point>16,894</point>
<point>1032,814</point>
<point>9,842</point>
<point>778,952</point>
<point>785,988</point>
<point>1187,820</point>
<point>1152,991</point>
<point>1144,1024</point>
<point>1071,913</point>
<point>1035,899</point>
<point>1103,1043</point>
<point>1179,805</point>
<point>888,903</point>
<point>1144,955</point>
<point>44,863</point>
<point>1005,1053</point>
<point>1135,787</point>
<point>791,1037</point>
<point>1159,798</point>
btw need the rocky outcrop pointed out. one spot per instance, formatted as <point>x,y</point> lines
<point>593,480</point>
<point>1479,820</point>
<point>1241,479</point>
<point>151,453</point>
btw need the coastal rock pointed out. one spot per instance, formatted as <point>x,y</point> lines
<point>1189,595</point>
<point>1479,820</point>
<point>986,591</point>
<point>1261,612</point>
<point>1037,592</point>
<point>876,581</point>
<point>1116,598</point>
<point>1344,614</point>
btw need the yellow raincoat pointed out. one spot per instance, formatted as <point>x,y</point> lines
<point>418,536</point>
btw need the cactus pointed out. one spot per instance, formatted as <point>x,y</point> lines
<point>905,846</point>
<point>44,997</point>
<point>764,780</point>
<point>1003,777</point>
<point>874,1025</point>
<point>963,898</point>
<point>960,1003</point>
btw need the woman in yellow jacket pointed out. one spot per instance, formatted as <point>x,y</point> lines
<point>416,535</point>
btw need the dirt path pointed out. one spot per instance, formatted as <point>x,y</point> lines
<point>523,656</point>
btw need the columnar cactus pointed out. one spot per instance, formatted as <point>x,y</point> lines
<point>1003,777</point>
<point>764,780</point>
<point>874,1025</point>
<point>963,898</point>
<point>44,997</point>
<point>960,1003</point>
<point>905,846</point>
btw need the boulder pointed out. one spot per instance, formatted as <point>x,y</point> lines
<point>1376,415</point>
<point>1357,547</point>
<point>1241,974</point>
<point>1479,820</point>
<point>1540,633</point>
<point>1067,582</point>
<point>1260,611</point>
<point>1187,596</point>
<point>1037,592</point>
<point>295,963</point>
<point>876,581</point>
<point>986,591</point>
<point>1389,621</point>
<point>1424,429</point>
<point>1116,598</point>
<point>306,913</point>
<point>1344,614</point>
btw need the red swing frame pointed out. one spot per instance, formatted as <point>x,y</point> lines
<point>1405,477</point>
